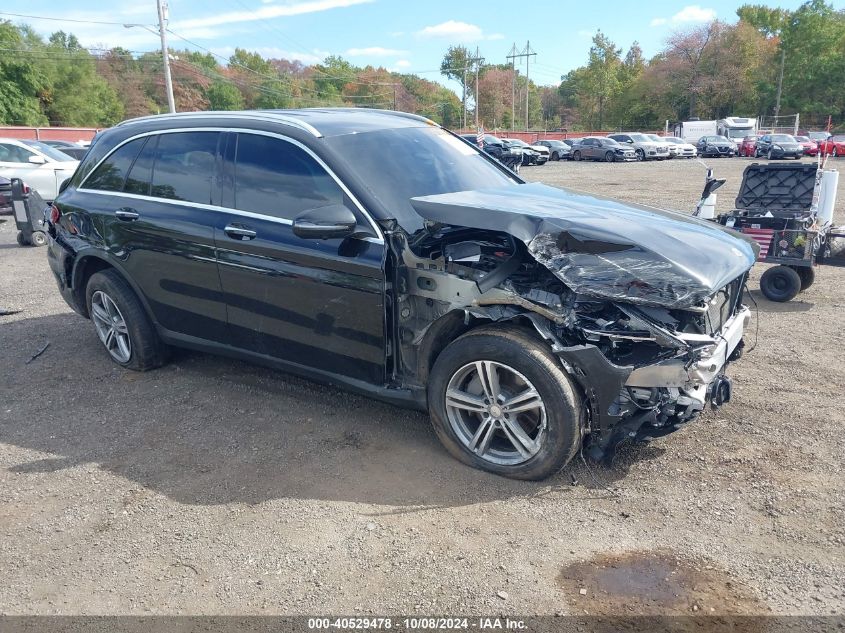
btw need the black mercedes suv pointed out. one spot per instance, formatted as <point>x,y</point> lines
<point>376,251</point>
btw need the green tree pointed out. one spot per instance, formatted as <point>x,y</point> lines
<point>21,80</point>
<point>224,96</point>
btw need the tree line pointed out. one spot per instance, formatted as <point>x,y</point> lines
<point>771,61</point>
<point>56,81</point>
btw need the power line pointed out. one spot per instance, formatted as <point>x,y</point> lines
<point>46,17</point>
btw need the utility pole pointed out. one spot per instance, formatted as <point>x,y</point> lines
<point>162,31</point>
<point>780,81</point>
<point>478,61</point>
<point>527,54</point>
<point>464,98</point>
<point>512,57</point>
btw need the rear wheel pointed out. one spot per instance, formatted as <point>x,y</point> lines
<point>501,402</point>
<point>609,157</point>
<point>835,152</point>
<point>121,323</point>
<point>780,284</point>
<point>38,238</point>
<point>807,274</point>
<point>22,241</point>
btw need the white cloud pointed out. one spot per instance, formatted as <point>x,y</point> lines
<point>690,13</point>
<point>586,33</point>
<point>265,13</point>
<point>375,51</point>
<point>458,32</point>
<point>403,63</point>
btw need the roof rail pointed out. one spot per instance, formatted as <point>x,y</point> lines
<point>404,115</point>
<point>266,115</point>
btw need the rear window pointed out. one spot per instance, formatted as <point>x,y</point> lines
<point>111,174</point>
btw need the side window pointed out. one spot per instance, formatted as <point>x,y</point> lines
<point>111,173</point>
<point>14,153</point>
<point>184,166</point>
<point>279,179</point>
<point>140,175</point>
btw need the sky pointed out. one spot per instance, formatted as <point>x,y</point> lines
<point>400,35</point>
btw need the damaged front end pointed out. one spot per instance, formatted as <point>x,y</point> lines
<point>642,308</point>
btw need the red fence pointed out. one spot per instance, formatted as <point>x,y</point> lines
<point>72,134</point>
<point>530,137</point>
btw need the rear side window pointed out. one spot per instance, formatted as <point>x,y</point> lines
<point>184,166</point>
<point>141,173</point>
<point>280,179</point>
<point>111,174</point>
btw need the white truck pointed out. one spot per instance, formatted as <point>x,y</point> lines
<point>691,131</point>
<point>736,128</point>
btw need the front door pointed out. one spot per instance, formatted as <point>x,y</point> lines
<point>314,303</point>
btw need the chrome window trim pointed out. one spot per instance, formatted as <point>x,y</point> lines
<point>259,116</point>
<point>211,207</point>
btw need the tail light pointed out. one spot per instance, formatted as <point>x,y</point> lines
<point>55,214</point>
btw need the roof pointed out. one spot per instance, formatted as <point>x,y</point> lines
<point>317,121</point>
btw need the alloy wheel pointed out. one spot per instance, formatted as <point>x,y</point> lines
<point>111,327</point>
<point>496,413</point>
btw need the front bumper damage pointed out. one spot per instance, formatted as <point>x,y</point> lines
<point>642,323</point>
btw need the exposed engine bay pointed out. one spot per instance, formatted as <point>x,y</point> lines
<point>644,369</point>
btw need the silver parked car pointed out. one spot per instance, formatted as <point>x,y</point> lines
<point>601,148</point>
<point>643,146</point>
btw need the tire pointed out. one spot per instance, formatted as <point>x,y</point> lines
<point>22,241</point>
<point>552,429</point>
<point>807,274</point>
<point>555,156</point>
<point>770,155</point>
<point>780,284</point>
<point>835,152</point>
<point>145,349</point>
<point>576,155</point>
<point>609,157</point>
<point>640,155</point>
<point>38,238</point>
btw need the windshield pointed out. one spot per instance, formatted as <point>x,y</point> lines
<point>818,136</point>
<point>558,144</point>
<point>715,139</point>
<point>654,137</point>
<point>782,138</point>
<point>517,143</point>
<point>639,137</point>
<point>674,139</point>
<point>424,161</point>
<point>803,139</point>
<point>740,132</point>
<point>494,140</point>
<point>49,152</point>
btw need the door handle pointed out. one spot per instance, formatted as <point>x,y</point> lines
<point>239,232</point>
<point>126,214</point>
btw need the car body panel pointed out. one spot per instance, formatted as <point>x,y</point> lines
<point>604,247</point>
<point>780,146</point>
<point>644,146</point>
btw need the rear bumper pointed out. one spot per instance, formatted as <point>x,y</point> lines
<point>58,258</point>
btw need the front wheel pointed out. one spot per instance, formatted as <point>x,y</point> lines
<point>780,284</point>
<point>121,323</point>
<point>576,156</point>
<point>38,238</point>
<point>640,155</point>
<point>835,152</point>
<point>22,241</point>
<point>609,157</point>
<point>770,155</point>
<point>501,402</point>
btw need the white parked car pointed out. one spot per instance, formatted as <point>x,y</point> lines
<point>40,166</point>
<point>679,148</point>
<point>645,148</point>
<point>663,143</point>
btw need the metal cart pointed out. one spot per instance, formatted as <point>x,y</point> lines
<point>28,208</point>
<point>788,210</point>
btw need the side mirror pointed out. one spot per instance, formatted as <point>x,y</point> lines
<point>323,223</point>
<point>37,160</point>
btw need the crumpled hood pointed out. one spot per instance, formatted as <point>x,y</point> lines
<point>604,247</point>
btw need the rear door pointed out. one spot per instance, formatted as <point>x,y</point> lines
<point>152,202</point>
<point>313,303</point>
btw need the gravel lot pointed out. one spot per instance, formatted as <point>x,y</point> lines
<point>212,486</point>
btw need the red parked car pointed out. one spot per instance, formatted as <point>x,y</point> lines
<point>748,146</point>
<point>835,145</point>
<point>810,147</point>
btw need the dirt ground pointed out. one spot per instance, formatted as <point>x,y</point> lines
<point>212,486</point>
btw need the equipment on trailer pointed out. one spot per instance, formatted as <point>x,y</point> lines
<point>788,210</point>
<point>28,208</point>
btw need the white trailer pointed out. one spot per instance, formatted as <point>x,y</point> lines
<point>736,128</point>
<point>691,131</point>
